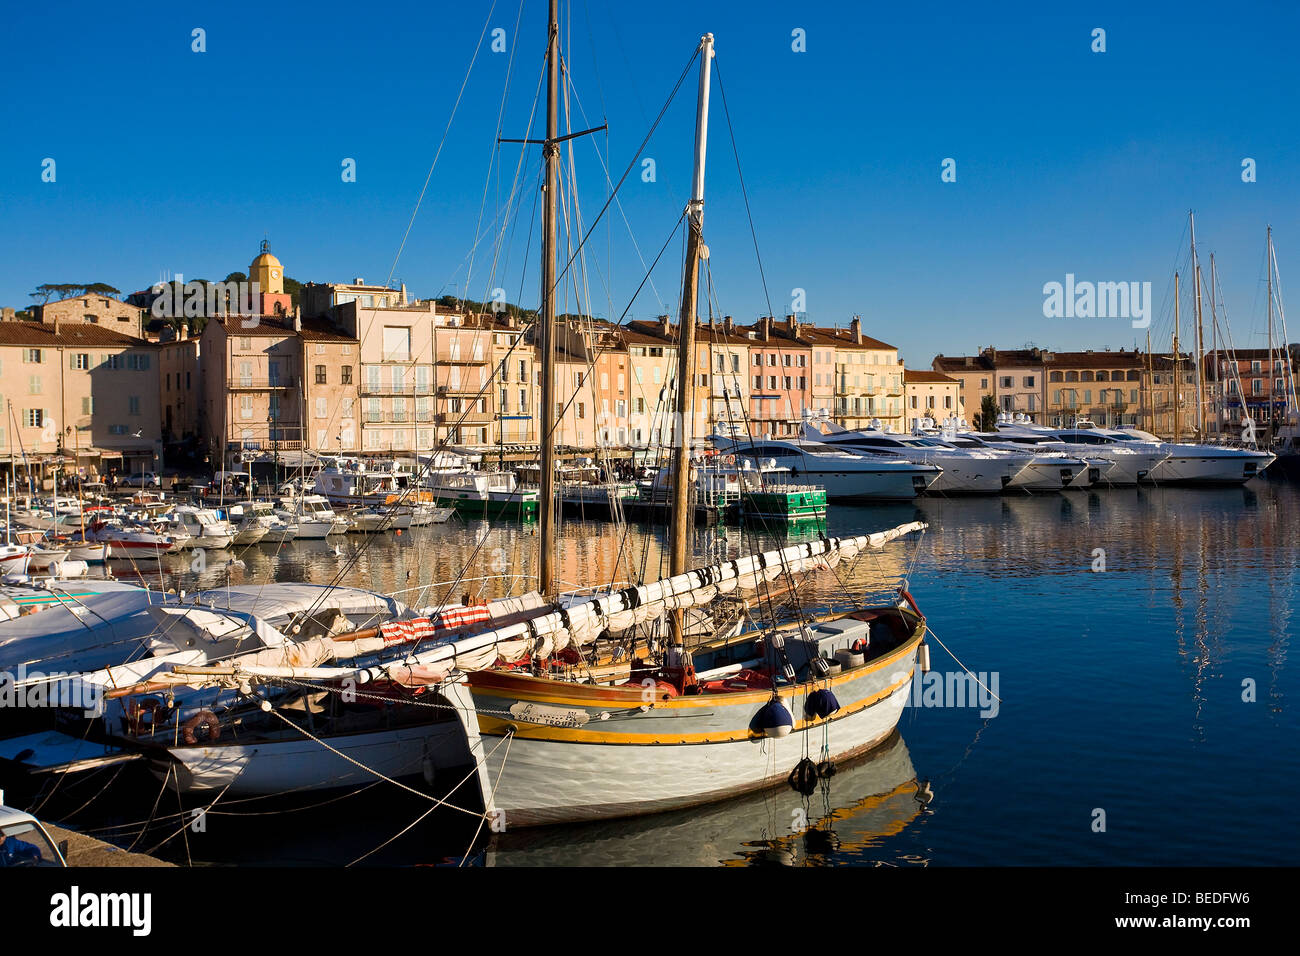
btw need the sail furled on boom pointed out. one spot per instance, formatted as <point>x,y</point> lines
<point>551,628</point>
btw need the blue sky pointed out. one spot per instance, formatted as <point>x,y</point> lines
<point>1068,161</point>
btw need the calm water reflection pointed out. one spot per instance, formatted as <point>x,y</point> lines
<point>1156,690</point>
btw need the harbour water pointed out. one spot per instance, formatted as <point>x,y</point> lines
<point>1138,641</point>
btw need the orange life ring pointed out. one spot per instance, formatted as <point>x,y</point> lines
<point>208,719</point>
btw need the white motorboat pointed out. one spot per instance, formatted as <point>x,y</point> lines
<point>131,540</point>
<point>1127,463</point>
<point>1040,471</point>
<point>204,527</point>
<point>250,522</point>
<point>480,493</point>
<point>14,558</point>
<point>1185,464</point>
<point>379,520</point>
<point>846,475</point>
<point>312,515</point>
<point>969,471</point>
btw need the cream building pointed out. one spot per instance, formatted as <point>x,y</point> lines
<point>80,392</point>
<point>930,395</point>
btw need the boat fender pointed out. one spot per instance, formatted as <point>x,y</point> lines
<point>826,769</point>
<point>803,778</point>
<point>206,718</point>
<point>772,720</point>
<point>821,703</point>
<point>925,658</point>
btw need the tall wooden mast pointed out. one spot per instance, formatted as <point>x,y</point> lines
<point>683,516</point>
<point>551,151</point>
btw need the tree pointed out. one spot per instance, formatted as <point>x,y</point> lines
<point>65,290</point>
<point>987,420</point>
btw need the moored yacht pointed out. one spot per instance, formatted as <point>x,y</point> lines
<point>969,471</point>
<point>845,475</point>
<point>1129,462</point>
<point>1185,464</point>
<point>204,527</point>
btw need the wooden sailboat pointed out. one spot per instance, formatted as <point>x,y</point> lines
<point>684,725</point>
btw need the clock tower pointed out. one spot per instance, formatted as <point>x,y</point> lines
<point>267,272</point>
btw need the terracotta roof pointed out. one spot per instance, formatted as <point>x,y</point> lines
<point>958,363</point>
<point>919,375</point>
<point>840,338</point>
<point>1096,360</point>
<point>1017,358</point>
<point>316,331</point>
<point>70,335</point>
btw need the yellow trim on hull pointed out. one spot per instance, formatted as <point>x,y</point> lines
<point>495,727</point>
<point>553,691</point>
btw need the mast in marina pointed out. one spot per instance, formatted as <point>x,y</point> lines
<point>683,515</point>
<point>1200,338</point>
<point>551,151</point>
<point>1178,385</point>
<point>1268,268</point>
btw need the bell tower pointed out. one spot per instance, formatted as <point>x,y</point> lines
<point>266,271</point>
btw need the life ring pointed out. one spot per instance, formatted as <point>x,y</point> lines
<point>859,646</point>
<point>206,718</point>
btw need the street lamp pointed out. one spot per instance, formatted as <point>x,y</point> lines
<point>275,446</point>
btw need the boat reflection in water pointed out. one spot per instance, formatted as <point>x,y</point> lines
<point>849,814</point>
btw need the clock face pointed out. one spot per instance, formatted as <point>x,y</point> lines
<point>275,273</point>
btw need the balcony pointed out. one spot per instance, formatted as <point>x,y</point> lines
<point>464,389</point>
<point>461,360</point>
<point>245,383</point>
<point>465,418</point>
<point>375,388</point>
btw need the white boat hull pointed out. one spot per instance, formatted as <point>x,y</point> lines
<point>1210,469</point>
<point>297,765</point>
<point>553,768</point>
<point>1049,475</point>
<point>884,485</point>
<point>546,782</point>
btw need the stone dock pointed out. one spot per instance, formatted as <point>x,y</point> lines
<point>87,851</point>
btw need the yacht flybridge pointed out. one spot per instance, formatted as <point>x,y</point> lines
<point>846,475</point>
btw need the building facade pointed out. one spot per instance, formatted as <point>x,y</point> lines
<point>80,396</point>
<point>931,395</point>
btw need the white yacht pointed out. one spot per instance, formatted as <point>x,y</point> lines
<point>1125,463</point>
<point>1040,470</point>
<point>250,522</point>
<point>845,475</point>
<point>968,471</point>
<point>312,515</point>
<point>351,481</point>
<point>1185,464</point>
<point>204,527</point>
